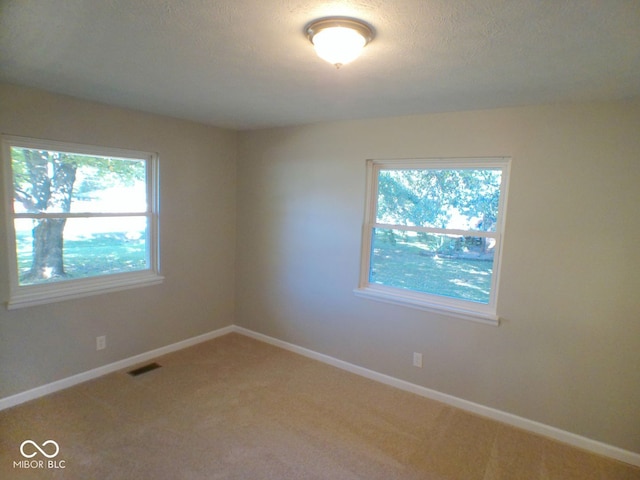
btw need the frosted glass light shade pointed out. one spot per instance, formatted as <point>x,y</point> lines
<point>338,45</point>
<point>339,41</point>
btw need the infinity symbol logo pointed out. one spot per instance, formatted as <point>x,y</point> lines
<point>39,449</point>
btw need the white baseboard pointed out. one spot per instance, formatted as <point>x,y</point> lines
<point>578,441</point>
<point>43,390</point>
<point>588,444</point>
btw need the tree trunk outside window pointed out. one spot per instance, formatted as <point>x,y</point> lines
<point>52,178</point>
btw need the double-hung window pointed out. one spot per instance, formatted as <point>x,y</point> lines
<point>432,234</point>
<point>81,219</point>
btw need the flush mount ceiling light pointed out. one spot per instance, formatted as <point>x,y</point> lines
<point>339,40</point>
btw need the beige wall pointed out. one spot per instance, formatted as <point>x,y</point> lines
<point>568,351</point>
<point>39,345</point>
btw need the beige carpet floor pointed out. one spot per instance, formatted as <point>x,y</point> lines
<point>236,408</point>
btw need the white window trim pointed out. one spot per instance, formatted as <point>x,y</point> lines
<point>39,294</point>
<point>466,310</point>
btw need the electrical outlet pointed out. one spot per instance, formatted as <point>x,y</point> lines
<point>101,342</point>
<point>417,359</point>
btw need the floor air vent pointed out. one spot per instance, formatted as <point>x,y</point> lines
<point>144,369</point>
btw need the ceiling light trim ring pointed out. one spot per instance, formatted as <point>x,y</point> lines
<point>359,26</point>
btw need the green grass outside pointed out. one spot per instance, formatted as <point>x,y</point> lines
<point>413,265</point>
<point>99,254</point>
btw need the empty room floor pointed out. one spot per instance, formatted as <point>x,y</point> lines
<point>237,408</point>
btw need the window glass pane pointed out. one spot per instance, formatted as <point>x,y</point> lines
<point>89,246</point>
<point>448,265</point>
<point>462,199</point>
<point>47,181</point>
<point>24,245</point>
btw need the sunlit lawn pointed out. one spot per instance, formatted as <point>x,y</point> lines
<point>407,265</point>
<point>99,254</point>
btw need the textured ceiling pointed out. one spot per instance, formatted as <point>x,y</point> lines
<point>247,64</point>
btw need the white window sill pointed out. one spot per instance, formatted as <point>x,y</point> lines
<point>31,295</point>
<point>419,301</point>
